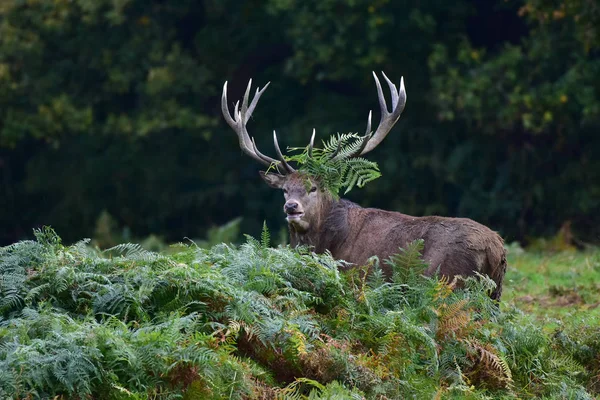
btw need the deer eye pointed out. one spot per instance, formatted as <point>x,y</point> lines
<point>284,191</point>
<point>313,189</point>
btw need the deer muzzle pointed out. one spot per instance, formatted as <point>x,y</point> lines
<point>293,210</point>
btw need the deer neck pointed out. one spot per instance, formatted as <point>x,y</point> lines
<point>312,237</point>
<point>330,229</point>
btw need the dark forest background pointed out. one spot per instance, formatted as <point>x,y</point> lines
<point>111,107</point>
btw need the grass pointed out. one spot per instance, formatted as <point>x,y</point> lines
<point>563,286</point>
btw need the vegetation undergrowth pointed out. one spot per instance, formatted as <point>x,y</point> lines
<point>254,322</point>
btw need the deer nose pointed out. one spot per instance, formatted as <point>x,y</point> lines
<point>290,207</point>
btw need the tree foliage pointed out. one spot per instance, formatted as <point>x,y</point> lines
<point>114,105</point>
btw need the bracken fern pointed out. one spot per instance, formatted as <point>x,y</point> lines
<point>254,322</point>
<point>333,165</point>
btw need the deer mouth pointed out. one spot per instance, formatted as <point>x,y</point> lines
<point>294,215</point>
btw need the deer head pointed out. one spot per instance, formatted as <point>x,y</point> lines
<point>305,199</point>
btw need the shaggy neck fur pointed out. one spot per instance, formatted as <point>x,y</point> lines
<point>329,231</point>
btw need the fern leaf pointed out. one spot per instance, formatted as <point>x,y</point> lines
<point>491,361</point>
<point>333,165</point>
<point>265,236</point>
<point>408,264</point>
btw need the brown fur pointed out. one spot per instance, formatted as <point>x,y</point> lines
<point>457,246</point>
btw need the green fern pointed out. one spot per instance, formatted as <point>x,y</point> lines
<point>408,264</point>
<point>239,322</point>
<point>265,236</point>
<point>332,165</point>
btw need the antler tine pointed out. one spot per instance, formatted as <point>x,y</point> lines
<point>393,90</point>
<point>380,96</point>
<point>286,166</point>
<point>388,119</point>
<point>245,101</point>
<point>238,121</point>
<point>267,158</point>
<point>225,107</point>
<point>312,143</point>
<point>368,131</point>
<point>255,101</point>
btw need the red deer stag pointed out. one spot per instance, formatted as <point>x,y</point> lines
<point>457,246</point>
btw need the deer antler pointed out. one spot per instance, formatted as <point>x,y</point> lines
<point>388,119</point>
<point>369,141</point>
<point>238,124</point>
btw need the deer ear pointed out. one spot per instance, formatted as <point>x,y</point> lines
<point>274,180</point>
